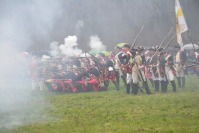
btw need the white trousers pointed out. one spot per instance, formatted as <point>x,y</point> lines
<point>170,75</point>
<point>128,78</point>
<point>136,76</point>
<point>179,70</point>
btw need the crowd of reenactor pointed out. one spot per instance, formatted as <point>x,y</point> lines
<point>134,65</point>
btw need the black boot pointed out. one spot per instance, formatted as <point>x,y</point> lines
<point>135,88</point>
<point>146,88</point>
<point>152,83</point>
<point>183,82</point>
<point>124,80</point>
<point>166,85</point>
<point>116,85</point>
<point>132,87</point>
<point>156,83</point>
<point>128,88</point>
<point>173,84</point>
<point>139,88</point>
<point>163,86</point>
<point>117,74</point>
<point>179,82</point>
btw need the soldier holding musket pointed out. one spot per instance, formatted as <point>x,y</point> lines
<point>154,69</point>
<point>127,66</point>
<point>119,61</point>
<point>161,70</point>
<point>180,61</point>
<point>170,69</point>
<point>138,70</point>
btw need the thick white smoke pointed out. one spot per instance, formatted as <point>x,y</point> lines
<point>45,58</point>
<point>69,48</point>
<point>15,86</point>
<point>22,23</point>
<point>54,49</point>
<point>95,43</point>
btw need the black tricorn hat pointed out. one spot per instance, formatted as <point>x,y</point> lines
<point>152,49</point>
<point>134,49</point>
<point>164,52</point>
<point>140,48</point>
<point>127,46</point>
<point>160,49</point>
<point>177,46</point>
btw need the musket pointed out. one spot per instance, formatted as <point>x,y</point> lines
<point>78,57</point>
<point>49,73</point>
<point>165,47</point>
<point>166,37</point>
<point>137,37</point>
<point>191,65</point>
<point>169,42</point>
<point>194,62</point>
<point>93,57</point>
<point>140,73</point>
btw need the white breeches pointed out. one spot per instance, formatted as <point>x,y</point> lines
<point>179,70</point>
<point>170,75</point>
<point>128,78</point>
<point>136,76</point>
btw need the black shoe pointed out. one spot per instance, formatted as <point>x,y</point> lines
<point>156,83</point>
<point>183,82</point>
<point>147,88</point>
<point>135,88</point>
<point>163,86</point>
<point>179,82</point>
<point>128,88</point>
<point>173,84</point>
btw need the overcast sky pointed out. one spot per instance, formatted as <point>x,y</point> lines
<point>24,23</point>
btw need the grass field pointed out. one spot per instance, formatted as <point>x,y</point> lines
<point>114,112</point>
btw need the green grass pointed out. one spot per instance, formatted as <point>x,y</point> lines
<point>113,111</point>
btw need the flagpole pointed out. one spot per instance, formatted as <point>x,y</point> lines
<point>191,39</point>
<point>179,13</point>
<point>189,34</point>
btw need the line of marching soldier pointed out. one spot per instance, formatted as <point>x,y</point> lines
<point>156,65</point>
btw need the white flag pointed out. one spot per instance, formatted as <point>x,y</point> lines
<point>181,25</point>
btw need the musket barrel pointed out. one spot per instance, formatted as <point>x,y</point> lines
<point>169,42</point>
<point>137,37</point>
<point>166,37</point>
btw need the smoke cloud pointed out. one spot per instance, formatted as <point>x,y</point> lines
<point>23,24</point>
<point>69,48</point>
<point>33,24</point>
<point>96,44</point>
<point>54,49</point>
<point>78,27</point>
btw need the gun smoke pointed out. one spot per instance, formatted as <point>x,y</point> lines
<point>23,24</point>
<point>54,49</point>
<point>34,24</point>
<point>96,44</point>
<point>69,48</point>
